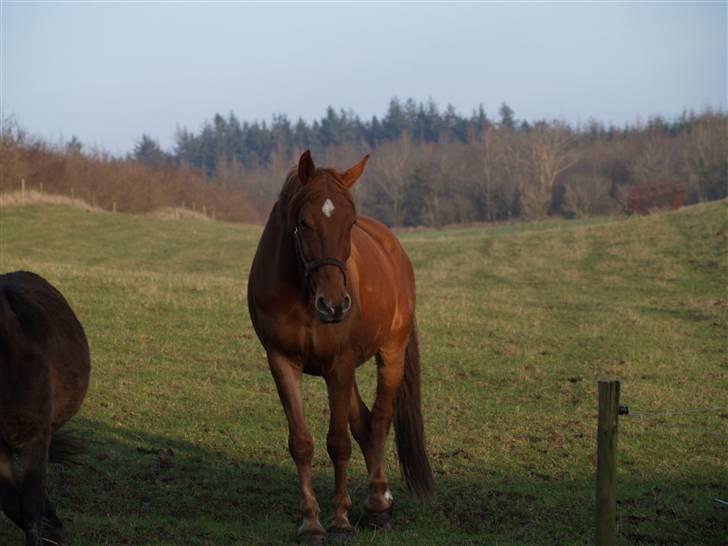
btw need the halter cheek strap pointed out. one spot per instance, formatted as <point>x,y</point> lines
<point>309,266</point>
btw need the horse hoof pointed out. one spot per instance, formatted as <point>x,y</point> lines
<point>339,535</point>
<point>312,539</point>
<point>377,520</point>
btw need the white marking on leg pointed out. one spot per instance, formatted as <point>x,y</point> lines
<point>328,208</point>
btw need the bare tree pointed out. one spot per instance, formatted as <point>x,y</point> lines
<point>585,195</point>
<point>390,170</point>
<point>502,172</point>
<point>551,152</point>
<point>654,164</point>
<point>706,155</point>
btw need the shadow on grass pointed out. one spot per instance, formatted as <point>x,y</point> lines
<point>132,487</point>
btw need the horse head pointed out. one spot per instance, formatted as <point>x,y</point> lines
<point>323,215</point>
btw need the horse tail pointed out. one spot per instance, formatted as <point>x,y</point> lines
<point>409,428</point>
<point>65,447</point>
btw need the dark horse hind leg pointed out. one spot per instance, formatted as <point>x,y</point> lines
<point>10,500</point>
<point>9,497</point>
<point>32,491</point>
<point>52,524</point>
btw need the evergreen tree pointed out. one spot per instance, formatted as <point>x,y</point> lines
<point>148,151</point>
<point>394,122</point>
<point>507,120</point>
<point>74,146</point>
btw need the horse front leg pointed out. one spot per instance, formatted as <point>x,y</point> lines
<point>339,384</point>
<point>300,444</point>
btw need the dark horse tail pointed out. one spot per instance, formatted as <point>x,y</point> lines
<point>65,448</point>
<point>409,428</point>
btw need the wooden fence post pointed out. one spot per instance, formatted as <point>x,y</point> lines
<point>606,506</point>
<point>22,190</point>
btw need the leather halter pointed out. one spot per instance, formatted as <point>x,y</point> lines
<point>309,266</point>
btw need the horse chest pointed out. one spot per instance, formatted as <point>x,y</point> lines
<point>319,348</point>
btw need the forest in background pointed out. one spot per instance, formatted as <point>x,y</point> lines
<point>428,168</point>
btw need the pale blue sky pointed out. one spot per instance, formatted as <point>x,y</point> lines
<point>107,72</point>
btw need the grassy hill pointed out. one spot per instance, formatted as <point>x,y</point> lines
<point>187,439</point>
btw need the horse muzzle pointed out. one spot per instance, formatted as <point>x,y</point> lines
<point>328,312</point>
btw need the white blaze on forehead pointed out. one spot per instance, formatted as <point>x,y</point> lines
<point>328,208</point>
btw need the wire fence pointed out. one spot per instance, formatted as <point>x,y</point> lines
<point>658,417</point>
<point>610,412</point>
<point>624,410</point>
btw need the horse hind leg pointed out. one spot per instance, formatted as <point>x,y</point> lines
<point>62,450</point>
<point>53,528</point>
<point>390,370</point>
<point>33,457</point>
<point>9,497</point>
<point>360,423</point>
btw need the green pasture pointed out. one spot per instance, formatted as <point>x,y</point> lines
<point>187,440</point>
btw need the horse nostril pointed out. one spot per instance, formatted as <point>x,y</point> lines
<point>321,305</point>
<point>346,305</point>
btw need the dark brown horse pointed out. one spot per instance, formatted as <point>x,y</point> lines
<point>327,291</point>
<point>44,374</point>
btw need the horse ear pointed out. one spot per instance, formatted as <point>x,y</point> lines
<point>353,174</point>
<point>306,167</point>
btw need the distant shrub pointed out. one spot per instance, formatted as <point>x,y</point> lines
<point>105,182</point>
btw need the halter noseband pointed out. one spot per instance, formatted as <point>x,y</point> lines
<point>309,266</point>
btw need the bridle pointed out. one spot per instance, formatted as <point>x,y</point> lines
<point>311,265</point>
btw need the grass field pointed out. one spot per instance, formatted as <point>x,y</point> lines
<point>187,439</point>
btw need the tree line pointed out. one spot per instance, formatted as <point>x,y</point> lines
<point>434,167</point>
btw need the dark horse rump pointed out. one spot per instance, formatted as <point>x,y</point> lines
<point>44,374</point>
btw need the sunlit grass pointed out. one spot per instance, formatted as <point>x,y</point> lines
<point>187,439</point>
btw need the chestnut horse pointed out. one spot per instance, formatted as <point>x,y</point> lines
<point>44,374</point>
<point>327,291</point>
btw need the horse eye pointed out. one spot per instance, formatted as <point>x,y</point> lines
<point>304,225</point>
